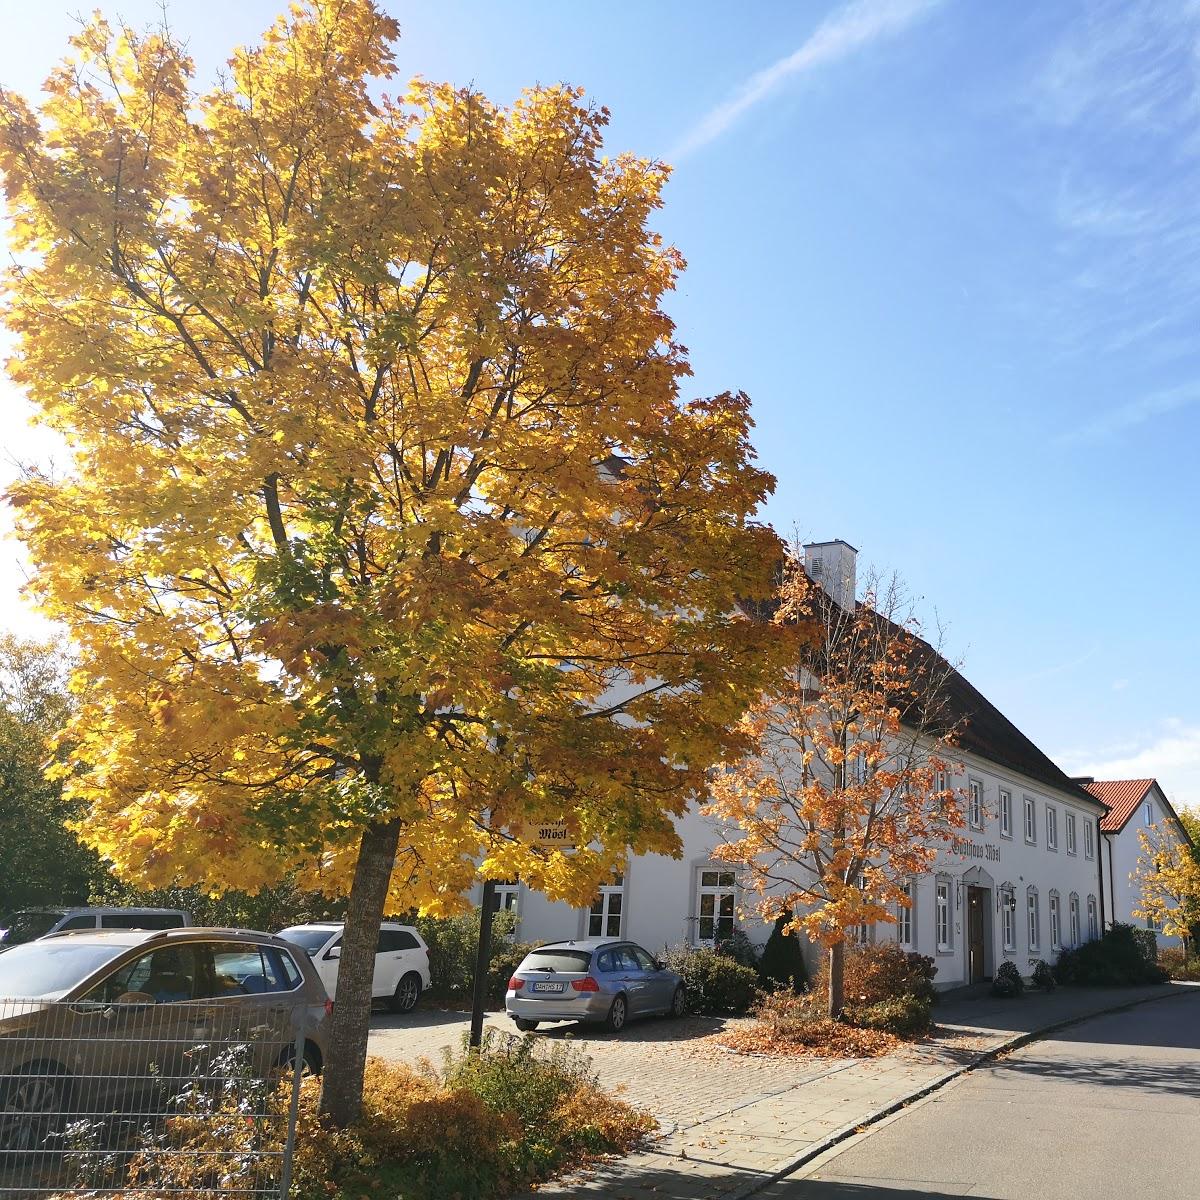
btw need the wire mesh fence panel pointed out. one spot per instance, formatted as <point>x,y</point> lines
<point>136,1098</point>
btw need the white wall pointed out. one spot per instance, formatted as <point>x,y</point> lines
<point>660,904</point>
<point>1123,894</point>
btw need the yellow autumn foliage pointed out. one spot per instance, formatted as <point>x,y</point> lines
<point>385,516</point>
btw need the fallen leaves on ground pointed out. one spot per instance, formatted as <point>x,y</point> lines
<point>816,1039</point>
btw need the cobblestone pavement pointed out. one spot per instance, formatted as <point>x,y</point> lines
<point>732,1123</point>
<point>673,1068</point>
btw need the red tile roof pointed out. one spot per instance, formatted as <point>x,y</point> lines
<point>1122,797</point>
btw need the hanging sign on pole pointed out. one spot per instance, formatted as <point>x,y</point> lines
<point>550,835</point>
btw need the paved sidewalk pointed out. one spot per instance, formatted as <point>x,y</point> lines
<point>734,1150</point>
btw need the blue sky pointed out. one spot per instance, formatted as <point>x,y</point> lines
<point>952,252</point>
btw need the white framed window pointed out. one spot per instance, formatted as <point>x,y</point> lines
<point>975,809</point>
<point>1031,903</point>
<point>604,917</point>
<point>1149,811</point>
<point>1008,917</point>
<point>506,896</point>
<point>862,932</point>
<point>717,904</point>
<point>1051,827</point>
<point>1055,923</point>
<point>1030,820</point>
<point>904,919</point>
<point>1005,813</point>
<point>1073,917</point>
<point>943,914</point>
<point>1093,930</point>
<point>1070,829</point>
<point>1088,844</point>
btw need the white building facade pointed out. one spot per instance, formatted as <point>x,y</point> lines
<point>1133,806</point>
<point>1021,881</point>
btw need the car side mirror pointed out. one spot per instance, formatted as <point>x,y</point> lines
<point>659,965</point>
<point>334,952</point>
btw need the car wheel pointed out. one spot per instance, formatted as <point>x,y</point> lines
<point>407,993</point>
<point>310,1065</point>
<point>33,1106</point>
<point>617,1015</point>
<point>525,1026</point>
<point>679,1002</point>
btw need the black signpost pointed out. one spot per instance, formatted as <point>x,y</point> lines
<point>483,956</point>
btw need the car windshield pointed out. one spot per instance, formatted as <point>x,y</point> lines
<point>22,927</point>
<point>47,969</point>
<point>309,940</point>
<point>554,959</point>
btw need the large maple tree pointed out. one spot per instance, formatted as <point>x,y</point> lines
<point>387,531</point>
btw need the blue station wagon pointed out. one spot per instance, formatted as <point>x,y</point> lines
<point>601,980</point>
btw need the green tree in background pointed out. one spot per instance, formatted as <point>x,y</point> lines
<point>41,861</point>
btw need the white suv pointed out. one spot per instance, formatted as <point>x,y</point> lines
<point>401,960</point>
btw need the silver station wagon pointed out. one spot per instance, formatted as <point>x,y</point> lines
<point>602,980</point>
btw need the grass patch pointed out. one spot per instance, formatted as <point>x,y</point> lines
<point>481,1127</point>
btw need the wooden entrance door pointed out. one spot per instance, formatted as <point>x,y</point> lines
<point>976,910</point>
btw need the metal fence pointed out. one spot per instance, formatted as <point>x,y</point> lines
<point>141,1100</point>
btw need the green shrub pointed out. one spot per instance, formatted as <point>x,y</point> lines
<point>1147,943</point>
<point>1043,976</point>
<point>1117,959</point>
<point>740,948</point>
<point>1007,980</point>
<point>905,1015</point>
<point>714,982</point>
<point>782,963</point>
<point>1178,966</point>
<point>453,942</point>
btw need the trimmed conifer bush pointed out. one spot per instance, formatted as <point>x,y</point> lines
<point>782,963</point>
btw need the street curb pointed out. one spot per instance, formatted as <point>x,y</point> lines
<point>816,1149</point>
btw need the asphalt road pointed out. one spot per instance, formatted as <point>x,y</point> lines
<point>1108,1110</point>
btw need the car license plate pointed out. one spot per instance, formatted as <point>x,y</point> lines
<point>548,987</point>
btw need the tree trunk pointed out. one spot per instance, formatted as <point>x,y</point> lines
<point>837,980</point>
<point>346,1052</point>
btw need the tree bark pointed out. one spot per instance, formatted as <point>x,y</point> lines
<point>837,980</point>
<point>346,1052</point>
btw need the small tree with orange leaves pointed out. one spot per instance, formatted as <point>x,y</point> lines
<point>843,797</point>
<point>1169,878</point>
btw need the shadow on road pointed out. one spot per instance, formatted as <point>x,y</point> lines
<point>1164,1078</point>
<point>818,1189</point>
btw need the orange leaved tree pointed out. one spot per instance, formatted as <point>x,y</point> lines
<point>1168,876</point>
<point>842,799</point>
<point>387,533</point>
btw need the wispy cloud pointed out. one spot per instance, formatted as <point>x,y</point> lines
<point>1171,755</point>
<point>1125,417</point>
<point>837,37</point>
<point>1060,668</point>
<point>1115,98</point>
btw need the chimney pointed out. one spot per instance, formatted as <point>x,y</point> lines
<point>832,565</point>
